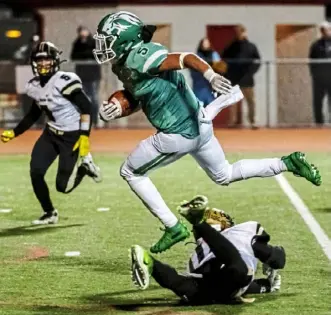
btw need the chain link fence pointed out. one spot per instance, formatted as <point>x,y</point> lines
<point>288,93</point>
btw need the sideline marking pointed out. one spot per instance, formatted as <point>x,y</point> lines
<point>306,215</point>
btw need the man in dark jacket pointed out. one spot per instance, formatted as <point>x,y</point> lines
<point>243,60</point>
<point>86,68</point>
<point>321,72</point>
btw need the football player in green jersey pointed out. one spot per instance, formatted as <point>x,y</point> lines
<point>149,73</point>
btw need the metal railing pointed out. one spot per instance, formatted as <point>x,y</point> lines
<point>286,93</point>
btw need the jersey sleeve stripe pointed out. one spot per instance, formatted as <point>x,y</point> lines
<point>259,229</point>
<point>151,59</point>
<point>67,90</point>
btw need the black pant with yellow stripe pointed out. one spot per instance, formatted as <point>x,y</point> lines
<point>52,144</point>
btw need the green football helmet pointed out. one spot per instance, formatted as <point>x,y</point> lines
<point>117,34</point>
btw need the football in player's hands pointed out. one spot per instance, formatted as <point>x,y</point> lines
<point>120,104</point>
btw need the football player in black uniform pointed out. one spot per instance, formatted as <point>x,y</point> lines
<point>66,135</point>
<point>223,265</point>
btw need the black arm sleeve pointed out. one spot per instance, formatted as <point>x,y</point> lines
<point>80,99</point>
<point>224,251</point>
<point>31,117</point>
<point>274,256</point>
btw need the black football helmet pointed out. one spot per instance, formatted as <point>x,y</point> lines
<point>45,59</point>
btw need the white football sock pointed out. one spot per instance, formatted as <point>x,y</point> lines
<point>149,195</point>
<point>245,169</point>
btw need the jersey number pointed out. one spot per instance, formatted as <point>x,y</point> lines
<point>65,77</point>
<point>143,51</point>
<point>47,112</point>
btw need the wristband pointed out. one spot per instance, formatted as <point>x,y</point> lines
<point>85,126</point>
<point>209,74</point>
<point>181,60</point>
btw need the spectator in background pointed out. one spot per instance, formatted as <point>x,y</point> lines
<point>22,55</point>
<point>243,61</point>
<point>86,68</point>
<point>321,72</point>
<point>201,86</point>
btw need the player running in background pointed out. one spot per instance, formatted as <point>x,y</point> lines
<point>60,95</point>
<point>149,72</point>
<point>223,266</point>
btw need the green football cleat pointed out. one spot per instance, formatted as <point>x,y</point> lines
<point>298,165</point>
<point>141,266</point>
<point>171,236</point>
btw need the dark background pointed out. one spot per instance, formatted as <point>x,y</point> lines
<point>57,3</point>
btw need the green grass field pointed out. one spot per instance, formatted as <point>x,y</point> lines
<point>98,281</point>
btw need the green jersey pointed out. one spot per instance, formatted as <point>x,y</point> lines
<point>166,99</point>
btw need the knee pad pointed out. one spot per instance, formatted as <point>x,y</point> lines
<point>223,176</point>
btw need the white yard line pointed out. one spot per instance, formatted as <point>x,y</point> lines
<point>306,215</point>
<point>5,210</point>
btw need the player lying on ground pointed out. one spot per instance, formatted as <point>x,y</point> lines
<point>224,263</point>
<point>60,95</point>
<point>149,73</point>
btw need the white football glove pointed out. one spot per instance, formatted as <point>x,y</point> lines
<point>110,111</point>
<point>274,278</point>
<point>276,284</point>
<point>218,83</point>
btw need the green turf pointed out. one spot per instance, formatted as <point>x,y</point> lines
<point>98,282</point>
